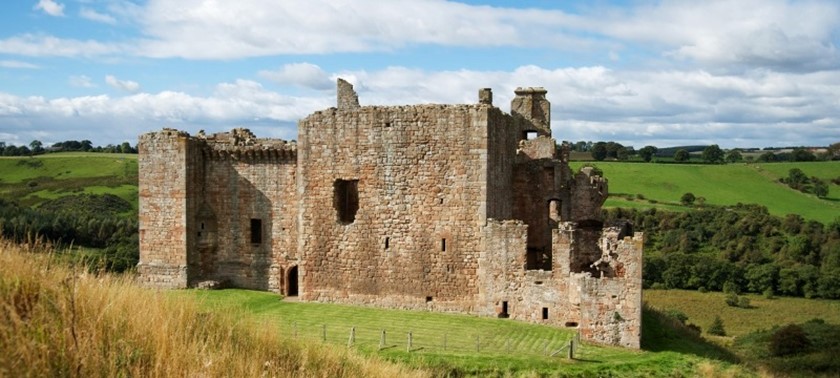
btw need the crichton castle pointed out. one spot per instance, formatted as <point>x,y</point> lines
<point>459,208</point>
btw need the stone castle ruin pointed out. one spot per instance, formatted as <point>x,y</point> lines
<point>460,208</point>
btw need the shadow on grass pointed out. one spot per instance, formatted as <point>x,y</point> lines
<point>661,332</point>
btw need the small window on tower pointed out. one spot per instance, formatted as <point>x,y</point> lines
<point>256,231</point>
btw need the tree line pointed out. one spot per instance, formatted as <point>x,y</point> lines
<point>36,147</point>
<point>711,154</point>
<point>738,249</point>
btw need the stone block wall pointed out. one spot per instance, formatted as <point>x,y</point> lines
<point>163,199</point>
<point>420,174</point>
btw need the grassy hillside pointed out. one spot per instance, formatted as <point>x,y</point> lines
<point>662,185</point>
<point>33,180</point>
<point>764,313</point>
<point>749,331</point>
<point>59,322</point>
<point>460,344</point>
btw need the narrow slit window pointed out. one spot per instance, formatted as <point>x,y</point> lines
<point>443,245</point>
<point>256,231</point>
<point>545,313</point>
<point>387,242</point>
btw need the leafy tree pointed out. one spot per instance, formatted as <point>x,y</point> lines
<point>36,146</point>
<point>820,187</point>
<point>599,151</point>
<point>734,156</point>
<point>713,154</point>
<point>681,155</point>
<point>801,154</point>
<point>647,153</point>
<point>767,157</point>
<point>687,199</point>
<point>717,327</point>
<point>796,178</point>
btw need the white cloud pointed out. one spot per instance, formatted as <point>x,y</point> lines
<point>123,85</point>
<point>17,64</point>
<point>301,74</point>
<point>664,108</point>
<point>778,34</point>
<point>46,45</point>
<point>93,15</point>
<point>81,81</point>
<point>50,7</point>
<point>200,29</point>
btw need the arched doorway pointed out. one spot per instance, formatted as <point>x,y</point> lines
<point>292,282</point>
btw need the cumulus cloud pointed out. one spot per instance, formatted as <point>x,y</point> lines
<point>209,30</point>
<point>50,7</point>
<point>779,34</point>
<point>93,15</point>
<point>664,108</point>
<point>17,64</point>
<point>300,74</point>
<point>123,85</point>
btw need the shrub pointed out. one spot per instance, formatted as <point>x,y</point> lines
<point>732,299</point>
<point>744,302</point>
<point>687,199</point>
<point>677,314</point>
<point>789,340</point>
<point>717,327</point>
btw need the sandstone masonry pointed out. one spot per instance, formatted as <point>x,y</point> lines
<point>459,208</point>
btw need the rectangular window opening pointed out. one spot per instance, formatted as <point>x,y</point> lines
<point>545,313</point>
<point>256,231</point>
<point>346,200</point>
<point>530,134</point>
<point>387,242</point>
<point>443,245</point>
<point>428,299</point>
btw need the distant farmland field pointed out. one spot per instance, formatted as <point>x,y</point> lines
<point>33,180</point>
<point>662,185</point>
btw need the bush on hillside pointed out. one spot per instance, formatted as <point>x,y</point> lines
<point>789,340</point>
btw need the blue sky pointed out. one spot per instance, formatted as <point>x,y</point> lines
<point>746,73</point>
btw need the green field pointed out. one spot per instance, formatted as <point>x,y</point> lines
<point>451,342</point>
<point>662,185</point>
<point>33,180</point>
<point>764,313</point>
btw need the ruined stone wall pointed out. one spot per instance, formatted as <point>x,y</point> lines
<point>163,161</point>
<point>420,173</point>
<point>242,187</point>
<point>588,193</point>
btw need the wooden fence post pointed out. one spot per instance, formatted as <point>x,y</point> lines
<point>572,349</point>
<point>382,340</point>
<point>408,347</point>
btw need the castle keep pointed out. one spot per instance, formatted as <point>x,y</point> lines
<point>458,208</point>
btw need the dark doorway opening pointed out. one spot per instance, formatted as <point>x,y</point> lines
<point>292,283</point>
<point>504,313</point>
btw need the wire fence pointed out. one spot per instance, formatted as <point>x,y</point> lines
<point>439,340</point>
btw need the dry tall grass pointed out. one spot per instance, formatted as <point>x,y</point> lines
<point>59,321</point>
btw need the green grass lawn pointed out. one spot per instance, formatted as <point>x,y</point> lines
<point>449,343</point>
<point>721,185</point>
<point>702,308</point>
<point>44,177</point>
